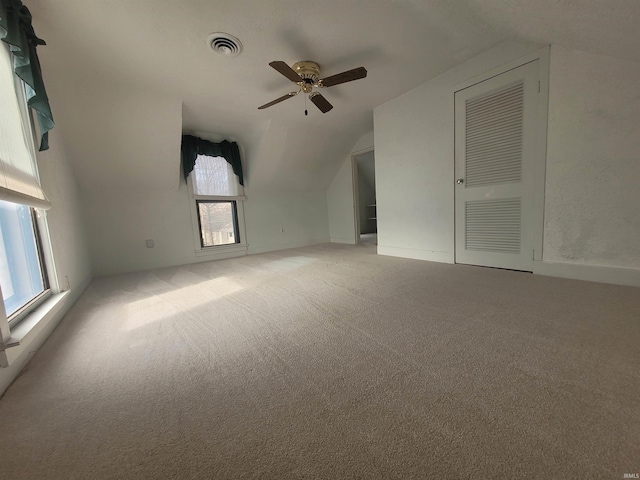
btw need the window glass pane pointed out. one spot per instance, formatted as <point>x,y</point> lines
<point>217,223</point>
<point>20,272</point>
<point>214,176</point>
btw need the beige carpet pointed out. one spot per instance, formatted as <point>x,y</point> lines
<point>369,239</point>
<point>332,362</point>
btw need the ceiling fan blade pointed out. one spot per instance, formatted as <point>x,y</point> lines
<point>278,100</point>
<point>320,102</point>
<point>286,70</point>
<point>348,76</point>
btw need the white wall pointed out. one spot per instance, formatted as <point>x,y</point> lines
<point>414,142</point>
<point>69,246</point>
<point>592,201</point>
<point>592,218</point>
<point>120,222</point>
<point>132,188</point>
<point>340,205</point>
<point>303,216</point>
<point>66,228</point>
<point>340,196</point>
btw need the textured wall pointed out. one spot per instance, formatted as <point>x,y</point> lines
<point>592,198</point>
<point>414,141</point>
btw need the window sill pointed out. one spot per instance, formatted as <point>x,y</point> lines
<point>223,251</point>
<point>221,198</point>
<point>24,332</point>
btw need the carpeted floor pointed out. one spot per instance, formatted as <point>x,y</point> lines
<point>331,362</point>
<point>367,239</point>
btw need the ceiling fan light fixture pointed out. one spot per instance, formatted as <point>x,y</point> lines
<point>306,75</point>
<point>224,44</point>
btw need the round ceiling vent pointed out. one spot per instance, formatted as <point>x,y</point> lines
<point>224,44</point>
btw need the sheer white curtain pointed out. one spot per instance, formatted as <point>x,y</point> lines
<point>213,176</point>
<point>19,181</point>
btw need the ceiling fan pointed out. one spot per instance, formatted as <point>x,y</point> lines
<point>306,75</point>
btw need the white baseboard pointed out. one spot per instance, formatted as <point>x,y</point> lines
<point>592,273</point>
<point>284,246</point>
<point>417,254</point>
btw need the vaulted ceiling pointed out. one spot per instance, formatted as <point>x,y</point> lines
<point>126,78</point>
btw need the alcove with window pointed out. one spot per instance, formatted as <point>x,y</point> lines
<point>27,276</point>
<point>214,174</point>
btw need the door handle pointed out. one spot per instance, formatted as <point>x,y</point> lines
<point>460,181</point>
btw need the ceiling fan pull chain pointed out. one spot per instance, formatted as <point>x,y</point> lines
<point>306,112</point>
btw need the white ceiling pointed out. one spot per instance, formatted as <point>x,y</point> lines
<point>126,77</point>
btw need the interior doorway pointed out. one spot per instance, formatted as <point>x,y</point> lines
<point>366,221</point>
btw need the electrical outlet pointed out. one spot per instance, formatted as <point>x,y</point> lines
<point>150,243</point>
<point>281,229</point>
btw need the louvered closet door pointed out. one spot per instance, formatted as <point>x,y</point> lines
<point>495,146</point>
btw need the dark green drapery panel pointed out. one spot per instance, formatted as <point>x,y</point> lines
<point>194,146</point>
<point>17,32</point>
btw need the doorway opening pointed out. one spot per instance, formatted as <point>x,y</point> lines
<point>366,218</point>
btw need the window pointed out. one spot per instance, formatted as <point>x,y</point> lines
<point>213,176</point>
<point>23,277</point>
<point>218,222</point>
<point>22,273</point>
<point>218,200</point>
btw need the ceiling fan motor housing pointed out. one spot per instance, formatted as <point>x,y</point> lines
<point>309,71</point>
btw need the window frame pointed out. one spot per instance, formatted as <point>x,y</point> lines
<point>234,213</point>
<point>38,223</point>
<point>20,313</point>
<point>217,251</point>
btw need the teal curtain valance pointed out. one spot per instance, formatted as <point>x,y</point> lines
<point>16,31</point>
<point>194,146</point>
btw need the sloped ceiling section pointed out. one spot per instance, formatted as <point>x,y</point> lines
<point>126,78</point>
<point>120,138</point>
<point>606,27</point>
